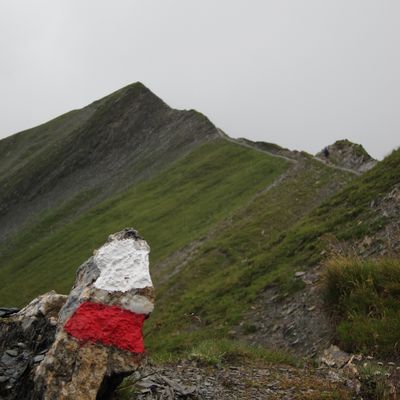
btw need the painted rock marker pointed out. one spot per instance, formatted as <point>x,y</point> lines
<point>108,325</point>
<point>99,338</point>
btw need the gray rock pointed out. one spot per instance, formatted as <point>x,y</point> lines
<point>25,333</point>
<point>17,374</point>
<point>86,274</point>
<point>112,363</point>
<point>348,155</point>
<point>38,358</point>
<point>334,357</point>
<point>7,359</point>
<point>5,312</point>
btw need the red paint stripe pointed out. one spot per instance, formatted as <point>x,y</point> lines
<point>108,325</point>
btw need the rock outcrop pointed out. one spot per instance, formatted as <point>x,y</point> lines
<point>25,337</point>
<point>346,154</point>
<point>83,345</point>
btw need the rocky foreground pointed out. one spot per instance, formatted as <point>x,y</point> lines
<point>84,345</point>
<point>27,335</point>
<point>191,380</point>
<point>56,349</point>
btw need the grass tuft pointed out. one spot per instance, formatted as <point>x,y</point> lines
<point>364,298</point>
<point>223,351</point>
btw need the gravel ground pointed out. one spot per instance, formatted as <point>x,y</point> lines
<point>189,380</point>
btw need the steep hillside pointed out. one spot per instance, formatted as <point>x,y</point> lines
<point>173,209</point>
<point>361,222</point>
<point>230,222</point>
<point>256,273</point>
<point>241,258</point>
<point>95,152</point>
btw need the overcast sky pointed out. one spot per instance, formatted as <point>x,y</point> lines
<point>300,73</point>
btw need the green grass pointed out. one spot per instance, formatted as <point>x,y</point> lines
<point>378,382</point>
<point>177,207</point>
<point>226,274</point>
<point>279,232</point>
<point>222,352</point>
<point>225,351</point>
<point>18,150</point>
<point>364,297</point>
<point>29,157</point>
<point>248,237</point>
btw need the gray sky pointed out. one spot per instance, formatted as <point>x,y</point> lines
<point>300,73</point>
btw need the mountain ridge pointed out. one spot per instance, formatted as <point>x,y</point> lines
<point>112,137</point>
<point>194,159</point>
<point>241,232</point>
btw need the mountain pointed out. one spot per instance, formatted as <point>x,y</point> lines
<point>87,155</point>
<point>231,223</point>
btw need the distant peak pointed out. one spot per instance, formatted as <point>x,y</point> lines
<point>131,93</point>
<point>347,154</point>
<point>139,86</point>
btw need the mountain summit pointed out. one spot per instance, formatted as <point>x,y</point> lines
<point>99,150</point>
<point>346,154</point>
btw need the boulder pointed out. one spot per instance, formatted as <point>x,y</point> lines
<point>81,346</point>
<point>334,357</point>
<point>25,336</point>
<point>99,336</point>
<point>346,154</point>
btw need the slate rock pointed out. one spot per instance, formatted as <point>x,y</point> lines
<point>38,358</point>
<point>5,312</point>
<point>23,334</point>
<point>334,357</point>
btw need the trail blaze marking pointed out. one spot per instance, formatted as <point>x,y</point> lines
<point>124,265</point>
<point>108,325</point>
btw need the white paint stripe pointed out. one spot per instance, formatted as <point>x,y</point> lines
<point>123,265</point>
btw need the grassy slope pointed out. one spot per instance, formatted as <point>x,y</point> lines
<point>42,149</point>
<point>266,238</point>
<point>265,246</point>
<point>20,154</point>
<point>218,285</point>
<point>104,148</point>
<point>17,150</point>
<point>171,210</point>
<point>363,296</point>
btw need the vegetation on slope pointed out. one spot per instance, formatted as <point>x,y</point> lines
<point>18,150</point>
<point>349,214</point>
<point>253,234</point>
<point>171,210</point>
<point>363,296</point>
<point>222,279</point>
<point>265,244</point>
<point>108,146</point>
<point>28,156</point>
